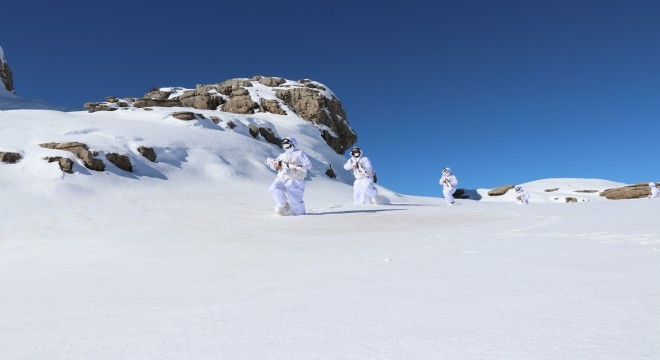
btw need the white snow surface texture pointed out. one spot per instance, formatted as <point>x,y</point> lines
<point>184,259</point>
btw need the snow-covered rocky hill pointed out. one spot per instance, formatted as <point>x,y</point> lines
<point>179,255</point>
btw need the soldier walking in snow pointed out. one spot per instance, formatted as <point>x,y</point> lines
<point>289,186</point>
<point>448,182</point>
<point>655,192</point>
<point>364,189</point>
<point>522,196</point>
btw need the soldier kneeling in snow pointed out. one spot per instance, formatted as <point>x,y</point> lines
<point>522,196</point>
<point>364,189</point>
<point>448,182</point>
<point>289,186</point>
<point>655,192</point>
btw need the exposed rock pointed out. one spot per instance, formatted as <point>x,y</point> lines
<point>140,103</point>
<point>231,124</point>
<point>147,152</point>
<point>120,161</point>
<point>586,191</point>
<point>271,106</point>
<point>81,151</point>
<point>627,192</point>
<point>269,135</point>
<point>571,199</point>
<point>184,115</point>
<point>215,119</point>
<point>10,157</point>
<point>6,75</point>
<point>111,99</point>
<point>240,92</point>
<point>202,102</point>
<point>157,95</point>
<point>240,105</point>
<point>500,190</point>
<point>254,131</point>
<point>236,83</point>
<point>314,106</point>
<point>94,107</point>
<point>331,173</point>
<point>551,190</point>
<point>271,81</point>
<point>66,164</point>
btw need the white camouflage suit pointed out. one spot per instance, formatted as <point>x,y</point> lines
<point>522,196</point>
<point>289,185</point>
<point>448,182</point>
<point>364,190</point>
<point>655,192</point>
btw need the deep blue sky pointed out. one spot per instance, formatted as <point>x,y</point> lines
<point>501,91</point>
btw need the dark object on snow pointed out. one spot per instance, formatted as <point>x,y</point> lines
<point>10,157</point>
<point>120,161</point>
<point>148,153</point>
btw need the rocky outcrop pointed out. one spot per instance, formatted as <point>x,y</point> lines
<point>241,104</point>
<point>498,191</point>
<point>156,94</point>
<point>120,161</point>
<point>81,151</point>
<point>551,190</point>
<point>627,192</point>
<point>571,199</point>
<point>95,106</point>
<point>253,130</point>
<point>141,103</point>
<point>6,75</point>
<point>147,152</point>
<point>269,135</point>
<point>184,115</point>
<point>328,113</point>
<point>271,81</point>
<point>66,164</point>
<point>271,106</point>
<point>309,99</point>
<point>10,157</point>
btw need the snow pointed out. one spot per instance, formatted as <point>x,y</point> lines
<point>184,259</point>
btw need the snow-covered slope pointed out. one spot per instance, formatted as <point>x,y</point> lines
<point>557,190</point>
<point>184,259</point>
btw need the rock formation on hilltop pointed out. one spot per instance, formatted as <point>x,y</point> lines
<point>310,100</point>
<point>6,76</point>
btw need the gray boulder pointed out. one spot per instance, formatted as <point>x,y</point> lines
<point>141,103</point>
<point>313,106</point>
<point>272,106</point>
<point>202,102</point>
<point>66,164</point>
<point>98,106</point>
<point>147,152</point>
<point>271,81</point>
<point>253,130</point>
<point>636,191</point>
<point>81,151</point>
<point>10,157</point>
<point>269,135</point>
<point>157,95</point>
<point>498,191</point>
<point>120,161</point>
<point>184,115</point>
<point>240,105</point>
